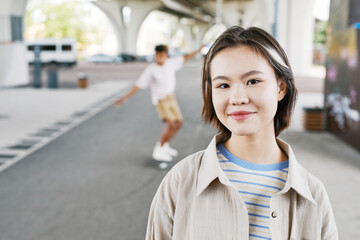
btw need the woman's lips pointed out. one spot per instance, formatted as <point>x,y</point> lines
<point>241,115</point>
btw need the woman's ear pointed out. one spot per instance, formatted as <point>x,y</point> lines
<point>281,89</point>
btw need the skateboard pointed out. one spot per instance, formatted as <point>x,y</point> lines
<point>162,164</point>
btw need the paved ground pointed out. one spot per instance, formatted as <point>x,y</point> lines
<point>29,109</point>
<point>96,181</point>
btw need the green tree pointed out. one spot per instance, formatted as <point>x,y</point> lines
<point>60,19</point>
<point>320,32</point>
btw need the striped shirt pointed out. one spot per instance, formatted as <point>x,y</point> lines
<point>256,183</point>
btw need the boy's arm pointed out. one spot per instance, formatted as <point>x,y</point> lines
<point>190,55</point>
<point>123,99</point>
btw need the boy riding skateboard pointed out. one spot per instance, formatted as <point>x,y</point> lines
<point>160,77</point>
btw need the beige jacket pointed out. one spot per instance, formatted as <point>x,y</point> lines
<point>195,201</point>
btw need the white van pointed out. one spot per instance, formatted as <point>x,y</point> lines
<point>61,51</point>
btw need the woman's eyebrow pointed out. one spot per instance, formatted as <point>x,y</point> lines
<point>220,78</point>
<point>244,75</point>
<point>247,74</point>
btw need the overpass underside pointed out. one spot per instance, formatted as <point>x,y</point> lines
<point>290,21</point>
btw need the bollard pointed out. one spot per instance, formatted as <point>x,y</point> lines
<point>52,75</point>
<point>37,67</point>
<point>82,80</point>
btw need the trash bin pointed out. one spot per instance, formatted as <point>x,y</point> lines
<point>82,80</point>
<point>313,119</point>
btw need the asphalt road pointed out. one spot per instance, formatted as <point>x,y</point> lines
<point>97,181</point>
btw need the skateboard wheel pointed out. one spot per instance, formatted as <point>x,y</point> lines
<point>163,165</point>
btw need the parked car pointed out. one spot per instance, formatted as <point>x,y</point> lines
<point>103,58</point>
<point>125,57</point>
<point>146,58</point>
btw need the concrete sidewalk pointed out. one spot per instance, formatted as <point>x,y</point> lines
<point>30,118</point>
<point>337,165</point>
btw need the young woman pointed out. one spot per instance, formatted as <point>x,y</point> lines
<point>247,184</point>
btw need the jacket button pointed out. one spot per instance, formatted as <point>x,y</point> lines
<point>274,214</point>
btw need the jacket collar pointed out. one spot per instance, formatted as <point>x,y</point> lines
<point>297,176</point>
<point>209,168</point>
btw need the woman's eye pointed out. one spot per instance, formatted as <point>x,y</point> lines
<point>223,85</point>
<point>252,81</point>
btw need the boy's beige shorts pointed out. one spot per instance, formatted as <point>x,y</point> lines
<point>168,108</point>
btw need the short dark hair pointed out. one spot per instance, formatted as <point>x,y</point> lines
<point>161,48</point>
<point>263,43</point>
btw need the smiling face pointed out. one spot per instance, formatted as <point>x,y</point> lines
<point>245,91</point>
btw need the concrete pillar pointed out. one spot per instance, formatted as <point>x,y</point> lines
<point>189,37</point>
<point>296,33</point>
<point>139,11</point>
<point>199,33</point>
<point>256,13</point>
<point>194,34</point>
<point>5,29</point>
<point>18,7</point>
<point>283,24</point>
<point>234,12</point>
<point>5,22</point>
<point>112,11</point>
<point>11,20</point>
<point>127,33</point>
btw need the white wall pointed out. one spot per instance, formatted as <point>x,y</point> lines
<point>5,28</point>
<point>13,65</point>
<point>13,62</point>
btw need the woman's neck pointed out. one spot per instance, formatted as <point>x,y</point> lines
<point>256,149</point>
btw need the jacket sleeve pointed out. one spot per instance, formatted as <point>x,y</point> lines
<point>162,210</point>
<point>159,224</point>
<point>329,230</point>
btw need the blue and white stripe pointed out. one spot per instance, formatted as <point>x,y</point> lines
<point>256,184</point>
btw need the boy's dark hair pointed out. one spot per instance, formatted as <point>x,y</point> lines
<point>161,48</point>
<point>262,43</point>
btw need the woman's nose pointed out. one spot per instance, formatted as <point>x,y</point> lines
<point>238,96</point>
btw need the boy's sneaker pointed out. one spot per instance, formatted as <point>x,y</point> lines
<point>173,152</point>
<point>161,154</point>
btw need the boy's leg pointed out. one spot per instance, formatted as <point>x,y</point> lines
<point>161,152</point>
<point>169,111</point>
<point>172,127</point>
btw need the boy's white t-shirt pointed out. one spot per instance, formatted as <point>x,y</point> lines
<point>160,78</point>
